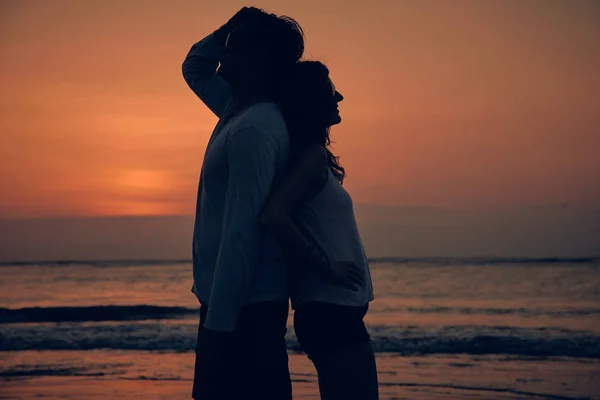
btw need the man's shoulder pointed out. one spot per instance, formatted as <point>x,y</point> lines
<point>264,109</point>
<point>265,118</point>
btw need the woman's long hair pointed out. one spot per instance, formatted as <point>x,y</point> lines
<point>307,105</point>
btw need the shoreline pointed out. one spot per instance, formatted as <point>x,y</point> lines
<point>119,375</point>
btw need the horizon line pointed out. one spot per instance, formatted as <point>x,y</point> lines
<point>373,260</point>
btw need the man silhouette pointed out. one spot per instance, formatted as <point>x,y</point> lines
<point>239,274</point>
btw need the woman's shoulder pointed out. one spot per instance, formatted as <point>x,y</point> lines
<point>313,156</point>
<point>312,160</point>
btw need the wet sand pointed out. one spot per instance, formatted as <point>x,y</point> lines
<point>120,375</point>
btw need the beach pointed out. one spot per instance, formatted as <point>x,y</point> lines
<point>441,329</point>
<point>120,375</point>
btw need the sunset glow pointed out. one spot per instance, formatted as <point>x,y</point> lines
<point>462,104</point>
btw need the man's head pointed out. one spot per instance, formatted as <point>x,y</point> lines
<point>259,50</point>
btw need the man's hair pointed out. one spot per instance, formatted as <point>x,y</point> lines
<point>281,36</point>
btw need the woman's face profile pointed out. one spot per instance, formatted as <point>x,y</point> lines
<point>336,97</point>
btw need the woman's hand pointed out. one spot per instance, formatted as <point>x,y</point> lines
<point>345,273</point>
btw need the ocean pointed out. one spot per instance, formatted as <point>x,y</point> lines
<point>441,328</point>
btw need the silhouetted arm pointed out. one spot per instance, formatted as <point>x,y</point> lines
<point>199,71</point>
<point>303,177</point>
<point>252,159</point>
<point>306,174</point>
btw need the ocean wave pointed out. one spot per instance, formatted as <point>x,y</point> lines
<point>93,263</point>
<point>447,261</point>
<point>531,342</point>
<point>436,261</point>
<point>118,370</point>
<point>22,371</point>
<point>526,312</point>
<point>406,340</point>
<point>92,313</point>
<point>147,312</point>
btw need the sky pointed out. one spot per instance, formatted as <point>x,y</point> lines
<point>469,127</point>
<point>461,105</point>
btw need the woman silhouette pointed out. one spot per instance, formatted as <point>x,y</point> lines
<point>312,215</point>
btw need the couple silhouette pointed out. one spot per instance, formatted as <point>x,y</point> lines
<point>273,221</point>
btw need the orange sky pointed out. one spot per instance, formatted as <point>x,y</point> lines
<point>457,104</point>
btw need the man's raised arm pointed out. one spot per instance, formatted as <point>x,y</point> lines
<point>199,71</point>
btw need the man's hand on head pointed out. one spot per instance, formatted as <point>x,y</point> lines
<point>243,15</point>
